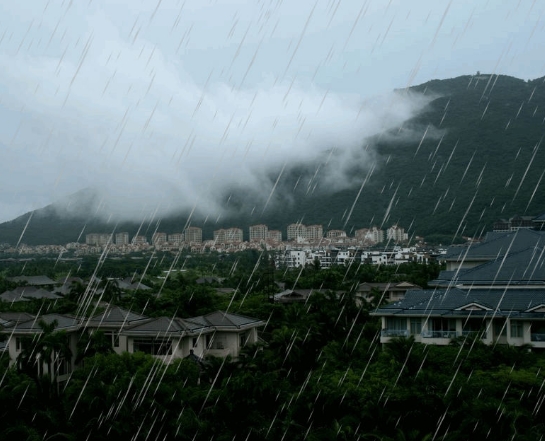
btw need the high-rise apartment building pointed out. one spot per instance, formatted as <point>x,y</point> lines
<point>92,238</point>
<point>122,238</point>
<point>274,235</point>
<point>396,234</point>
<point>258,233</point>
<point>176,238</point>
<point>334,234</point>
<point>314,232</point>
<point>228,235</point>
<point>193,235</point>
<point>297,231</point>
<point>158,238</point>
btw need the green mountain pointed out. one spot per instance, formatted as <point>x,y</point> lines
<point>473,156</point>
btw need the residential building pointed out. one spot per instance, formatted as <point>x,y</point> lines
<point>92,238</point>
<point>396,234</point>
<point>291,259</point>
<point>335,234</point>
<point>371,236</point>
<point>176,238</point>
<point>515,317</point>
<point>274,235</point>
<point>122,238</point>
<point>229,235</point>
<point>139,240</point>
<point>494,290</point>
<point>314,232</point>
<point>193,235</point>
<point>515,223</point>
<point>258,233</point>
<point>297,231</point>
<point>158,238</point>
<point>219,334</point>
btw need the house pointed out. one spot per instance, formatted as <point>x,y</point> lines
<point>390,291</point>
<point>218,334</point>
<point>515,316</point>
<point>25,293</point>
<point>33,280</point>
<point>23,335</point>
<point>494,290</point>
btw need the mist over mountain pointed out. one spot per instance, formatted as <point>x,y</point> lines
<point>447,156</point>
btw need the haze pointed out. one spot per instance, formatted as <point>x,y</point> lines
<point>166,105</point>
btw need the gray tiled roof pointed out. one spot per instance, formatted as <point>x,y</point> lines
<point>64,322</point>
<point>160,326</point>
<point>227,319</point>
<point>513,303</point>
<point>114,317</point>
<point>497,245</point>
<point>526,266</point>
<point>33,280</point>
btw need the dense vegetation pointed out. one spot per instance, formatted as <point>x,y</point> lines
<point>321,375</point>
<point>471,158</point>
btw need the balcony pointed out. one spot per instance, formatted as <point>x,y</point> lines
<point>538,337</point>
<point>440,334</point>
<point>477,334</point>
<point>394,333</point>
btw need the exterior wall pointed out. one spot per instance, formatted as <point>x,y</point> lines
<point>73,344</point>
<point>275,235</point>
<point>296,231</point>
<point>490,333</point>
<point>193,235</point>
<point>122,238</point>
<point>258,232</point>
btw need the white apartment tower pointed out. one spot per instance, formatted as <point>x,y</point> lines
<point>296,231</point>
<point>314,232</point>
<point>258,233</point>
<point>122,238</point>
<point>193,235</point>
<point>396,234</point>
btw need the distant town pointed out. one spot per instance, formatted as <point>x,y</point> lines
<point>304,243</point>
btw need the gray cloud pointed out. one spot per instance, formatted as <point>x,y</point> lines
<point>167,109</point>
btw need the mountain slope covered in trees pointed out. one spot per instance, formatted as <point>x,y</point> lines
<point>473,156</point>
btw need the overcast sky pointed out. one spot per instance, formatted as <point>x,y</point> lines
<point>164,104</point>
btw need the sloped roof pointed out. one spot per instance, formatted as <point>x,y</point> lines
<point>115,317</point>
<point>512,303</point>
<point>497,245</point>
<point>64,322</point>
<point>162,326</point>
<point>8,319</point>
<point>227,319</point>
<point>41,294</point>
<point>524,266</point>
<point>10,296</point>
<point>33,280</point>
<point>21,293</point>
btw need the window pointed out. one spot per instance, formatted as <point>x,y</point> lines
<point>416,326</point>
<point>500,328</point>
<point>243,339</point>
<point>516,329</point>
<point>397,324</point>
<point>153,346</point>
<point>18,343</point>
<point>195,341</point>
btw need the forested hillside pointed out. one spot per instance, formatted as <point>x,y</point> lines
<point>472,157</point>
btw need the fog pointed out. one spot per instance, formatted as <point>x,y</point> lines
<point>168,107</point>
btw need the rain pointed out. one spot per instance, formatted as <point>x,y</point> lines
<point>225,219</point>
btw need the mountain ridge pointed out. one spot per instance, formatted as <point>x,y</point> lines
<point>472,158</point>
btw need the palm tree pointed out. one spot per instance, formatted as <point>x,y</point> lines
<point>47,348</point>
